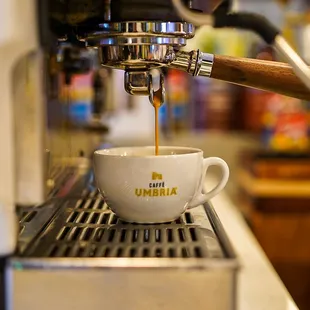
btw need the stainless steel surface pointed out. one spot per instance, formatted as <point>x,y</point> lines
<point>31,222</point>
<point>130,288</point>
<point>204,64</point>
<point>300,68</point>
<point>85,227</point>
<point>137,82</point>
<point>29,104</point>
<point>135,56</point>
<point>185,61</point>
<point>139,40</point>
<point>141,83</point>
<point>140,32</point>
<point>139,44</point>
<point>160,93</point>
<point>198,19</point>
<point>84,256</point>
<point>33,219</point>
<point>195,63</point>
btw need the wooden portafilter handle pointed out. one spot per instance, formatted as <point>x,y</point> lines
<point>270,76</point>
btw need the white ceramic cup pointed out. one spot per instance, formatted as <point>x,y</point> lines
<point>141,187</point>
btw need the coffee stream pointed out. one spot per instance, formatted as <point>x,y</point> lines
<point>156,107</point>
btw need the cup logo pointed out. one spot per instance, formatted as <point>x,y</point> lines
<point>157,176</point>
<point>156,189</point>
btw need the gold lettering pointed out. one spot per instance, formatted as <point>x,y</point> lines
<point>138,192</point>
<point>147,192</point>
<point>157,176</point>
<point>174,191</point>
<point>155,192</point>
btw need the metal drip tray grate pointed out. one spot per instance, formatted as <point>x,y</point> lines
<point>86,227</point>
<point>60,175</point>
<point>128,241</point>
<point>32,219</point>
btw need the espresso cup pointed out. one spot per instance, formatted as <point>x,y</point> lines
<point>141,187</point>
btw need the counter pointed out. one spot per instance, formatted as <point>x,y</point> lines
<point>259,287</point>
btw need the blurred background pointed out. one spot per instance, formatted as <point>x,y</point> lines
<point>264,137</point>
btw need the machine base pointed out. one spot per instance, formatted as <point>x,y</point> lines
<point>84,256</point>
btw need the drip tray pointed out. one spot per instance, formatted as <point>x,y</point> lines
<point>32,220</point>
<point>85,227</point>
<point>86,257</point>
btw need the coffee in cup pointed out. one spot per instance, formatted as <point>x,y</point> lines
<point>141,187</point>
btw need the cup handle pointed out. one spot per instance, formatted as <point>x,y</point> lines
<point>201,198</point>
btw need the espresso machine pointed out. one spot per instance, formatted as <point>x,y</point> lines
<point>61,247</point>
